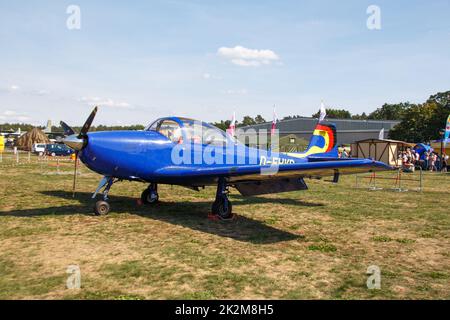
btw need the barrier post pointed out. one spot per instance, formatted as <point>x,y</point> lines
<point>57,166</point>
<point>17,157</point>
<point>374,181</point>
<point>1,157</point>
<point>420,180</point>
<point>29,157</point>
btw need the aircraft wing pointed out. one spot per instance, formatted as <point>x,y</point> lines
<point>314,167</point>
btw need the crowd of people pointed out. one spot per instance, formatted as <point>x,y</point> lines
<point>411,159</point>
<point>429,160</point>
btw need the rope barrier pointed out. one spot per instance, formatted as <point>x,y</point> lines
<point>14,160</point>
<point>397,179</point>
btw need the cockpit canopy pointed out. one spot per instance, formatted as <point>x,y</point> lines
<point>184,130</point>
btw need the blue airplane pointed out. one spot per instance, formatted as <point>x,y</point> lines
<point>194,154</point>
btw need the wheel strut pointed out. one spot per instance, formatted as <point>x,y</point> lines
<point>102,207</point>
<point>222,206</point>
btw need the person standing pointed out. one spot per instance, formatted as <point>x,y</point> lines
<point>444,162</point>
<point>432,161</point>
<point>426,158</point>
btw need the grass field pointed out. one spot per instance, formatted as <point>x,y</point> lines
<point>314,244</point>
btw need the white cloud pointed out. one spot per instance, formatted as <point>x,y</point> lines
<point>91,101</point>
<point>209,76</point>
<point>10,89</point>
<point>248,57</point>
<point>22,118</point>
<point>13,116</point>
<point>41,92</point>
<point>237,91</point>
<point>9,113</point>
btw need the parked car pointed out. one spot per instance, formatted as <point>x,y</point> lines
<point>9,144</point>
<point>39,148</point>
<point>58,150</point>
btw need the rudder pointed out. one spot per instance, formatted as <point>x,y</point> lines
<point>323,141</point>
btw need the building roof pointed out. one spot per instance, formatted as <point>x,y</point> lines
<point>308,124</point>
<point>386,140</point>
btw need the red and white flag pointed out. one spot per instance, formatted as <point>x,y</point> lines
<point>232,129</point>
<point>274,122</point>
<point>323,112</point>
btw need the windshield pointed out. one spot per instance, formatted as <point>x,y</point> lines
<point>191,131</point>
<point>152,126</point>
<point>200,132</point>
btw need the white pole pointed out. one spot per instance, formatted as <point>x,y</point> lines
<point>29,157</point>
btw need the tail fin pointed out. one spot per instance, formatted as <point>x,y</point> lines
<point>323,141</point>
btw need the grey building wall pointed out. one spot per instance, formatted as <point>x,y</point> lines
<point>348,131</point>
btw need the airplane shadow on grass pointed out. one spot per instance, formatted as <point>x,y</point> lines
<point>192,215</point>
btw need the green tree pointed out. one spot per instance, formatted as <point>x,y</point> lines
<point>335,114</point>
<point>13,127</point>
<point>391,111</point>
<point>442,98</point>
<point>421,123</point>
<point>223,125</point>
<point>248,121</point>
<point>415,124</point>
<point>362,116</point>
<point>259,119</point>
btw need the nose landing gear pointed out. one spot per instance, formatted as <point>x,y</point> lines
<point>102,207</point>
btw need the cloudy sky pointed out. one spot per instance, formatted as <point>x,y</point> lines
<point>140,60</point>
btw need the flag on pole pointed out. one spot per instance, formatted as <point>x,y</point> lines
<point>232,129</point>
<point>447,131</point>
<point>274,122</point>
<point>381,135</point>
<point>323,112</point>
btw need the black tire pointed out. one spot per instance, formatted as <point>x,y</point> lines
<point>218,209</point>
<point>101,208</point>
<point>149,196</point>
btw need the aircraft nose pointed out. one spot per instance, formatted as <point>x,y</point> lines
<point>75,142</point>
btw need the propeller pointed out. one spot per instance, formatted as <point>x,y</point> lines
<point>77,141</point>
<point>88,123</point>
<point>68,131</point>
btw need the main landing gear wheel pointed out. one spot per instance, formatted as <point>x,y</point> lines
<point>223,209</point>
<point>150,195</point>
<point>101,208</point>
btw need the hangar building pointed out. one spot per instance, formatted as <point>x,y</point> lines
<point>348,130</point>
